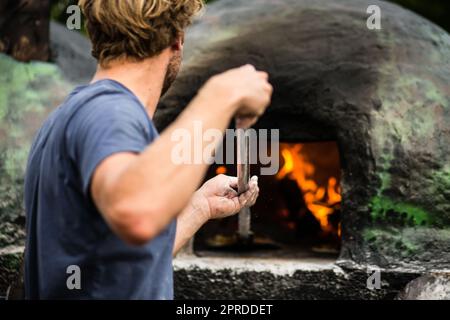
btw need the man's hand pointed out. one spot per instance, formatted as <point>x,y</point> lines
<point>248,89</point>
<point>218,199</point>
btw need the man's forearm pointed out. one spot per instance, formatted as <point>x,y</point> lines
<point>191,219</point>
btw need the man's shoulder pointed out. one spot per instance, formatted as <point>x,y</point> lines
<point>104,93</point>
<point>105,100</point>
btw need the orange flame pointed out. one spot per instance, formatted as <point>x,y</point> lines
<point>320,200</point>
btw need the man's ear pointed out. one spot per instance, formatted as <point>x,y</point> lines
<point>179,43</point>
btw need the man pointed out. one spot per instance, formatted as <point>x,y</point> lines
<point>103,197</point>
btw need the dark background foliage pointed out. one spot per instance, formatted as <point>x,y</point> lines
<point>437,11</point>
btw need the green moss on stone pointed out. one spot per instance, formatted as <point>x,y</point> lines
<point>380,205</point>
<point>16,82</point>
<point>28,93</point>
<point>390,241</point>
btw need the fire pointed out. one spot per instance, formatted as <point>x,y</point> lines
<point>321,200</point>
<point>221,170</point>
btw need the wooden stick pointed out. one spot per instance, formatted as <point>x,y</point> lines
<point>243,172</point>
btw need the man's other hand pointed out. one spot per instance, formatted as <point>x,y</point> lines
<point>218,199</point>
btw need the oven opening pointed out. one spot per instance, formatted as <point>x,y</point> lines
<point>298,212</point>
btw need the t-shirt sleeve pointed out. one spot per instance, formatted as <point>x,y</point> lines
<point>105,126</point>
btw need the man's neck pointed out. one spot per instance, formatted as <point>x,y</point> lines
<point>145,78</point>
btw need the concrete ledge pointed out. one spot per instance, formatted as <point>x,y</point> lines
<point>238,278</point>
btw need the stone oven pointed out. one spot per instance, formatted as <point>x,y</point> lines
<point>369,110</point>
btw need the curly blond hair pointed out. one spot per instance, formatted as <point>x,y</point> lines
<point>135,29</point>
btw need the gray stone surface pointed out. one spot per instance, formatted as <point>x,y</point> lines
<point>71,52</point>
<point>434,286</point>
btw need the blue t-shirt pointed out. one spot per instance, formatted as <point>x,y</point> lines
<point>67,238</point>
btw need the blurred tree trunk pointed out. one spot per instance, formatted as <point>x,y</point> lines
<point>24,29</point>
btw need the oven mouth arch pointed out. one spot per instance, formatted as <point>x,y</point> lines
<point>202,244</point>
